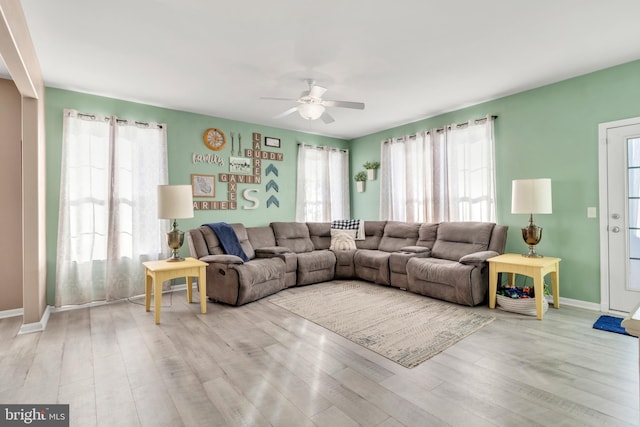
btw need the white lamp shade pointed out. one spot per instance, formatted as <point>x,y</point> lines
<point>531,196</point>
<point>175,201</point>
<point>310,111</point>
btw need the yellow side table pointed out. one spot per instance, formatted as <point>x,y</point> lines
<point>536,268</point>
<point>157,272</point>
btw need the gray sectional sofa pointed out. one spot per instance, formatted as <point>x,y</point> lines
<point>445,260</point>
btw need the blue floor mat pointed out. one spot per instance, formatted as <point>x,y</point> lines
<point>610,324</point>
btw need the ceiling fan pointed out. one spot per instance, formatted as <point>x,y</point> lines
<point>311,106</point>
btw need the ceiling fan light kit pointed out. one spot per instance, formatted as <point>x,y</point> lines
<point>311,106</point>
<point>310,111</point>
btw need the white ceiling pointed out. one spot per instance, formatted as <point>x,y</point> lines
<point>406,60</point>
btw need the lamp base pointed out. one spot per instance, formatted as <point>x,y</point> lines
<point>532,234</point>
<point>532,253</point>
<point>174,258</point>
<point>175,239</point>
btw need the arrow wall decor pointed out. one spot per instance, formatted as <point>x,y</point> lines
<point>272,184</point>
<point>271,168</point>
<point>273,201</point>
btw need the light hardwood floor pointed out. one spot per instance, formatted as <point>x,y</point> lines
<point>260,365</point>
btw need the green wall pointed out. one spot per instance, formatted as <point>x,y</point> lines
<point>184,137</point>
<point>549,132</point>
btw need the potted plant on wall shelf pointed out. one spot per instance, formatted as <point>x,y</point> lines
<point>371,168</point>
<point>360,178</point>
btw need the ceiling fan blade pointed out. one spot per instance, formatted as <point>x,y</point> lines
<point>344,104</point>
<point>326,118</point>
<point>317,91</point>
<point>271,98</point>
<point>286,113</point>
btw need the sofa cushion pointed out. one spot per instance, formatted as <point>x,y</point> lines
<point>446,280</point>
<point>427,234</point>
<point>315,267</point>
<point>261,237</point>
<point>372,265</point>
<point>397,235</point>
<point>241,232</point>
<point>373,231</point>
<point>457,239</point>
<point>293,235</point>
<point>320,234</point>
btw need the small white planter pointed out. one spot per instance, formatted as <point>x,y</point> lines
<point>360,186</point>
<point>371,174</point>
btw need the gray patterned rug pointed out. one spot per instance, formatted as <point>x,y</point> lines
<point>401,326</point>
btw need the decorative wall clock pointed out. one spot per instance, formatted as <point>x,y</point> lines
<point>214,139</point>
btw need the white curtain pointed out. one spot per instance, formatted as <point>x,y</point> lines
<point>108,222</point>
<point>471,172</point>
<point>322,192</point>
<point>439,175</point>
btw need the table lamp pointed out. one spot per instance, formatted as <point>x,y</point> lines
<point>531,196</point>
<point>175,202</point>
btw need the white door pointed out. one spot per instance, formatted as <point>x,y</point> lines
<point>623,215</point>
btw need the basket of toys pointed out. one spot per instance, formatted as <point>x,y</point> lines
<point>519,301</point>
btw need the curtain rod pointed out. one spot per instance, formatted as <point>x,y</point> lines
<point>460,125</point>
<point>93,117</point>
<point>322,147</point>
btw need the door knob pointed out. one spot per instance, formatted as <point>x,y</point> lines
<point>616,229</point>
<point>615,216</point>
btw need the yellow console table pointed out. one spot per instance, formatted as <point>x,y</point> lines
<point>536,268</point>
<point>157,272</point>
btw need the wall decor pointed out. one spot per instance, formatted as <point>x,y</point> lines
<point>203,185</point>
<point>239,179</point>
<point>272,169</point>
<point>215,206</point>
<point>240,172</point>
<point>247,195</point>
<point>239,165</point>
<point>273,200</point>
<point>371,168</point>
<point>272,142</point>
<point>272,184</point>
<point>214,139</point>
<point>207,158</point>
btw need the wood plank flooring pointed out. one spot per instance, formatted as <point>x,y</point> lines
<point>260,365</point>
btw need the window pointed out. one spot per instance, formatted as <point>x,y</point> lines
<point>323,184</point>
<point>108,197</point>
<point>440,175</point>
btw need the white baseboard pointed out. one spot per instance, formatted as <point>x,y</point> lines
<point>575,303</point>
<point>28,328</point>
<point>5,314</point>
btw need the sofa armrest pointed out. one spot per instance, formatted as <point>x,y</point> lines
<point>416,250</point>
<point>478,258</point>
<point>271,251</point>
<point>223,259</point>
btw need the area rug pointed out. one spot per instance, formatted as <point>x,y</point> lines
<point>610,324</point>
<point>403,327</point>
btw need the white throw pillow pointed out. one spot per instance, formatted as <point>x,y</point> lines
<point>342,240</point>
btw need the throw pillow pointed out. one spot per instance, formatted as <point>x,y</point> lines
<point>342,240</point>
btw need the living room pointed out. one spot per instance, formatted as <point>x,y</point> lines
<point>549,131</point>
